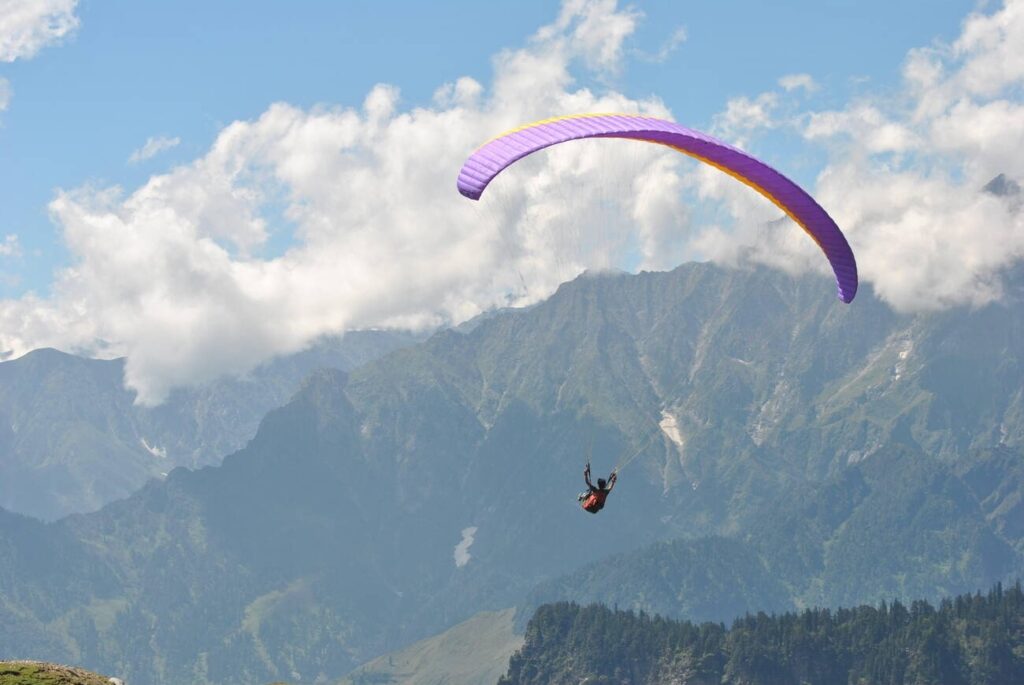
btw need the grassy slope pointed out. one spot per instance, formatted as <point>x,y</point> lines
<point>41,673</point>
<point>475,651</point>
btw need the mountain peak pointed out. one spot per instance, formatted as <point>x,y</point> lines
<point>1002,186</point>
<point>52,356</point>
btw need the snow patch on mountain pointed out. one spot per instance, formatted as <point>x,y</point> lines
<point>462,555</point>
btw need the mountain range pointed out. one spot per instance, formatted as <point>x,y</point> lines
<point>790,451</point>
<point>72,437</point>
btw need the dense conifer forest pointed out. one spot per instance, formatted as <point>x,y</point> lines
<point>970,640</point>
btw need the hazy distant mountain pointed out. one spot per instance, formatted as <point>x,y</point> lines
<point>473,652</point>
<point>72,440</point>
<point>382,506</point>
<point>704,579</point>
<point>1002,186</point>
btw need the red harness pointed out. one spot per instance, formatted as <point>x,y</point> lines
<point>595,501</point>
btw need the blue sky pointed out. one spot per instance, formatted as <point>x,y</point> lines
<point>185,69</point>
<point>200,186</point>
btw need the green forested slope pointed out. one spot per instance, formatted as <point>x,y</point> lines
<point>970,640</point>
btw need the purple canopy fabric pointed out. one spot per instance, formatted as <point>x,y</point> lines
<point>494,156</point>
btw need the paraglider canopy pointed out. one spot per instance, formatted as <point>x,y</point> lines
<point>494,156</point>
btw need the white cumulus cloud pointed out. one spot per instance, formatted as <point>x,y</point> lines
<point>926,233</point>
<point>867,125</point>
<point>798,82</point>
<point>180,274</point>
<point>27,26</point>
<point>152,147</point>
<point>595,30</point>
<point>745,114</point>
<point>175,275</point>
<point>905,175</point>
<point>671,44</point>
<point>10,247</point>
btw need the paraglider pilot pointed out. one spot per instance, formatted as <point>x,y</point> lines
<point>593,499</point>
